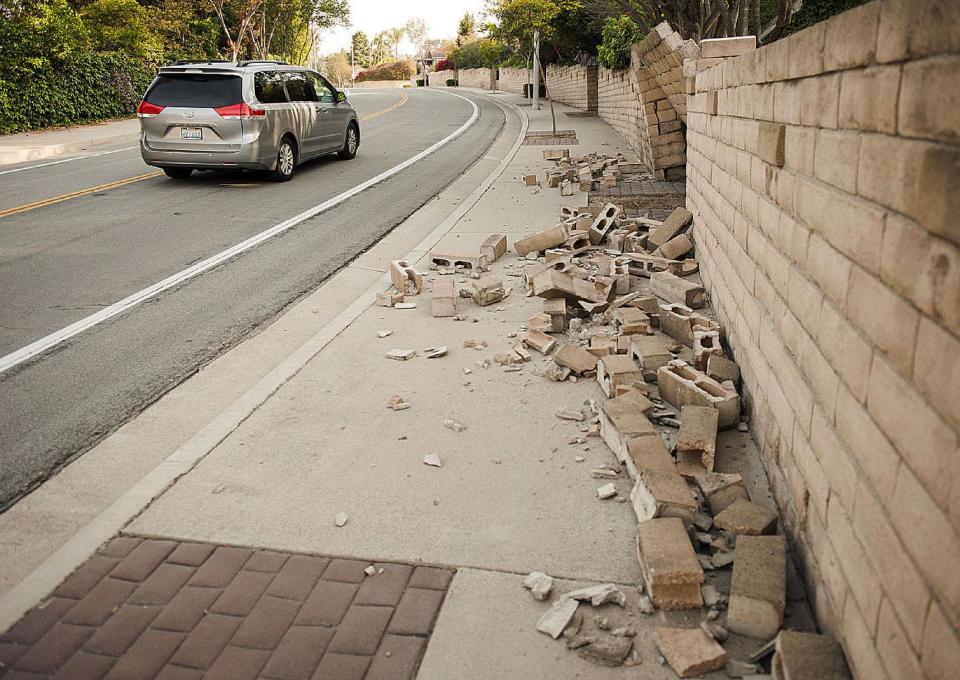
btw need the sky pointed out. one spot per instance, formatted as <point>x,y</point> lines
<point>373,16</point>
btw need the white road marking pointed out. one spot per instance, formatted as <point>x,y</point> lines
<point>43,344</point>
<point>66,160</point>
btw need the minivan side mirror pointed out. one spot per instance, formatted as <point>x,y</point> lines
<point>341,97</point>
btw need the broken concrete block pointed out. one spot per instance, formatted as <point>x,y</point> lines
<point>389,299</point>
<point>675,248</point>
<point>676,222</point>
<point>606,650</point>
<point>722,369</point>
<point>401,354</point>
<point>540,322</point>
<point>443,302</point>
<point>808,656</point>
<point>747,518</point>
<point>443,259</point>
<point>538,340</point>
<point>697,438</point>
<point>555,154</point>
<point>575,358</point>
<point>558,617</point>
<point>713,48</point>
<point>397,403</point>
<point>405,305</point>
<point>599,595</point>
<point>548,238</point>
<point>690,652</point>
<point>556,308</point>
<point>617,369</point>
<point>705,344</point>
<point>682,384</point>
<point>720,489</point>
<point>630,321</point>
<point>671,571</point>
<point>646,451</point>
<point>530,180</point>
<point>603,223</point>
<point>405,278</point>
<point>758,587</point>
<point>607,491</point>
<point>602,345</point>
<point>650,352</point>
<point>645,265</point>
<point>672,288</point>
<point>539,584</point>
<point>493,247</point>
<point>622,418</point>
<point>435,352</point>
<point>553,179</point>
<point>551,283</point>
<point>566,188</point>
<point>662,494</point>
<point>487,290</point>
<point>433,460</point>
<point>679,322</point>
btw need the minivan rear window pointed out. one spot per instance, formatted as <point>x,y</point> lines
<point>201,90</point>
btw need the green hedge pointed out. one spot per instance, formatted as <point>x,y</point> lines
<point>84,87</point>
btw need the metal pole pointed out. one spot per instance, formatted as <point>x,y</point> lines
<point>353,66</point>
<point>536,70</point>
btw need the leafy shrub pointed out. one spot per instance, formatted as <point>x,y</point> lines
<point>451,82</point>
<point>403,69</point>
<point>479,53</point>
<point>444,65</point>
<point>83,86</point>
<point>619,33</point>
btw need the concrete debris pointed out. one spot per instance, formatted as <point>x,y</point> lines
<point>607,650</point>
<point>738,669</point>
<point>599,595</point>
<point>808,656</point>
<point>454,425</point>
<point>689,651</point>
<point>384,334</point>
<point>615,370</point>
<point>720,490</point>
<point>671,572</point>
<point>539,584</point>
<point>647,452</point>
<point>401,354</point>
<point>715,630</point>
<point>696,445</point>
<point>458,261</point>
<point>675,223</point>
<point>405,305</point>
<point>758,586</point>
<point>722,559</point>
<point>443,302</point>
<point>672,288</point>
<point>606,491</point>
<point>405,278</point>
<point>433,460</point>
<point>397,403</point>
<point>340,519</point>
<point>530,180</point>
<point>682,384</point>
<point>604,472</point>
<point>747,518</point>
<point>711,596</point>
<point>645,604</point>
<point>722,369</point>
<point>435,352</point>
<point>555,619</point>
<point>552,371</point>
<point>538,340</point>
<point>540,323</point>
<point>540,241</point>
<point>389,298</point>
<point>570,414</point>
<point>487,290</point>
<point>662,494</point>
<point>370,570</point>
<point>494,247</point>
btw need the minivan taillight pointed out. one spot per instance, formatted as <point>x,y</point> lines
<point>240,111</point>
<point>148,110</point>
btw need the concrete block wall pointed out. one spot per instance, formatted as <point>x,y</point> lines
<point>663,52</point>
<point>826,196</point>
<point>573,85</point>
<point>618,105</point>
<point>513,79</point>
<point>439,78</point>
<point>475,77</point>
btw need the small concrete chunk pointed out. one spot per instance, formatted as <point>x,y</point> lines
<point>599,595</point>
<point>539,584</point>
<point>690,651</point>
<point>538,340</point>
<point>808,656</point>
<point>758,587</point>
<point>606,650</point>
<point>575,358</point>
<point>558,617</point>
<point>720,489</point>
<point>720,369</point>
<point>494,247</point>
<point>747,518</point>
<point>607,491</point>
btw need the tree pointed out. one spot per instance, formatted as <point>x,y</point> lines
<point>289,28</point>
<point>416,30</point>
<point>380,48</point>
<point>236,18</point>
<point>361,49</point>
<point>394,36</point>
<point>619,34</point>
<point>121,26</point>
<point>467,29</point>
<point>338,69</point>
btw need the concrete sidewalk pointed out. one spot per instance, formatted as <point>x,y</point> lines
<point>42,144</point>
<point>239,569</point>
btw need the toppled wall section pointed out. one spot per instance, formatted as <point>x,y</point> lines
<point>660,133</point>
<point>663,52</point>
<point>823,174</point>
<point>573,85</point>
<point>617,104</point>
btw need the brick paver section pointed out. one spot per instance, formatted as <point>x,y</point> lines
<point>145,608</point>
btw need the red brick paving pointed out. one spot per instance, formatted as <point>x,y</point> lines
<point>144,609</point>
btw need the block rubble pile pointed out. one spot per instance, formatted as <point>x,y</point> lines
<point>619,306</point>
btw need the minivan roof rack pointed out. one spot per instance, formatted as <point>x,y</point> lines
<point>184,62</point>
<point>247,62</point>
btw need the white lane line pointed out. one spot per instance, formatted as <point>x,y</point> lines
<point>43,344</point>
<point>67,160</point>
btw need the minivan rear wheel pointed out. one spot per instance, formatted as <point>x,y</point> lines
<point>286,161</point>
<point>178,173</point>
<point>350,143</point>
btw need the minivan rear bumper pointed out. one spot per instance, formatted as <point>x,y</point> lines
<point>248,157</point>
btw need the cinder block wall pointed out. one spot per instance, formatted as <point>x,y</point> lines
<point>513,79</point>
<point>826,192</point>
<point>618,105</point>
<point>474,77</point>
<point>663,52</point>
<point>573,85</point>
<point>439,78</point>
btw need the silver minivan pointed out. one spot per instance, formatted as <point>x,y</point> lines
<point>257,115</point>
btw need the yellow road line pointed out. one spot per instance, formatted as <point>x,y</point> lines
<point>76,194</point>
<point>147,175</point>
<point>401,102</point>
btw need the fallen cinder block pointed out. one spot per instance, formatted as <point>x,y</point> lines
<point>531,180</point>
<point>682,384</point>
<point>494,247</point>
<point>535,243</point>
<point>720,489</point>
<point>440,259</point>
<point>747,518</point>
<point>603,223</point>
<point>487,290</point>
<point>649,351</point>
<point>697,439</point>
<point>647,452</point>
<point>676,222</point>
<point>675,248</point>
<point>679,322</point>
<point>555,154</point>
<point>617,369</point>
<point>671,571</point>
<point>690,652</point>
<point>808,656</point>
<point>672,288</point>
<point>705,345</point>
<point>722,369</point>
<point>623,418</point>
<point>630,321</point>
<point>551,283</point>
<point>643,264</point>
<point>405,278</point>
<point>538,340</point>
<point>758,587</point>
<point>443,303</point>
<point>575,358</point>
<point>657,493</point>
<point>556,309</point>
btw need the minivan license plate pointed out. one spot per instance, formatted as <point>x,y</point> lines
<point>191,133</point>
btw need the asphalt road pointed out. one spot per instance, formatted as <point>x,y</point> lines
<point>63,261</point>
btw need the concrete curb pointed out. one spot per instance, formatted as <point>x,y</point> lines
<point>36,153</point>
<point>60,564</point>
